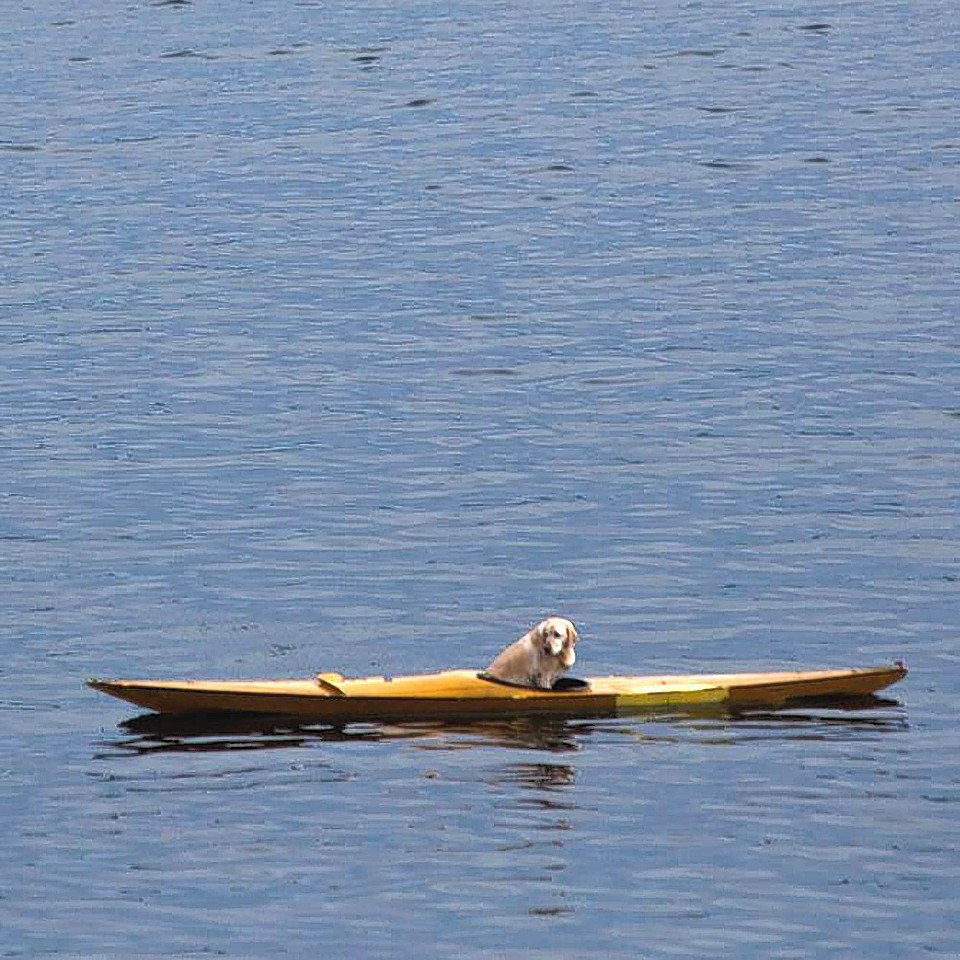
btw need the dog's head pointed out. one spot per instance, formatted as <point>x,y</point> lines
<point>557,637</point>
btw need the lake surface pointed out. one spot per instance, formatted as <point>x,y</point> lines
<point>360,337</point>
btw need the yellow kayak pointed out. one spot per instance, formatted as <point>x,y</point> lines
<point>467,695</point>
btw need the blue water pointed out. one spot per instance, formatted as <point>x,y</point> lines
<point>358,338</point>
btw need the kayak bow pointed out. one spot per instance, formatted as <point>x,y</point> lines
<point>465,694</point>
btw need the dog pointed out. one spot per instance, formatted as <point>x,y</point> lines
<point>539,657</point>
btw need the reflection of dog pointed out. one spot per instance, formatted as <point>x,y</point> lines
<point>538,657</point>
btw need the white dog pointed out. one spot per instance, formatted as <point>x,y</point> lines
<point>538,657</point>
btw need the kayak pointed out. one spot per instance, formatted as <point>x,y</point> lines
<point>468,695</point>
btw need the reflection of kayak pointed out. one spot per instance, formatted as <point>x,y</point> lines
<point>465,694</point>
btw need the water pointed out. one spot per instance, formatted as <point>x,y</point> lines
<point>359,338</point>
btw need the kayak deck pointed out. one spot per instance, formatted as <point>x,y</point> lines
<point>465,694</point>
